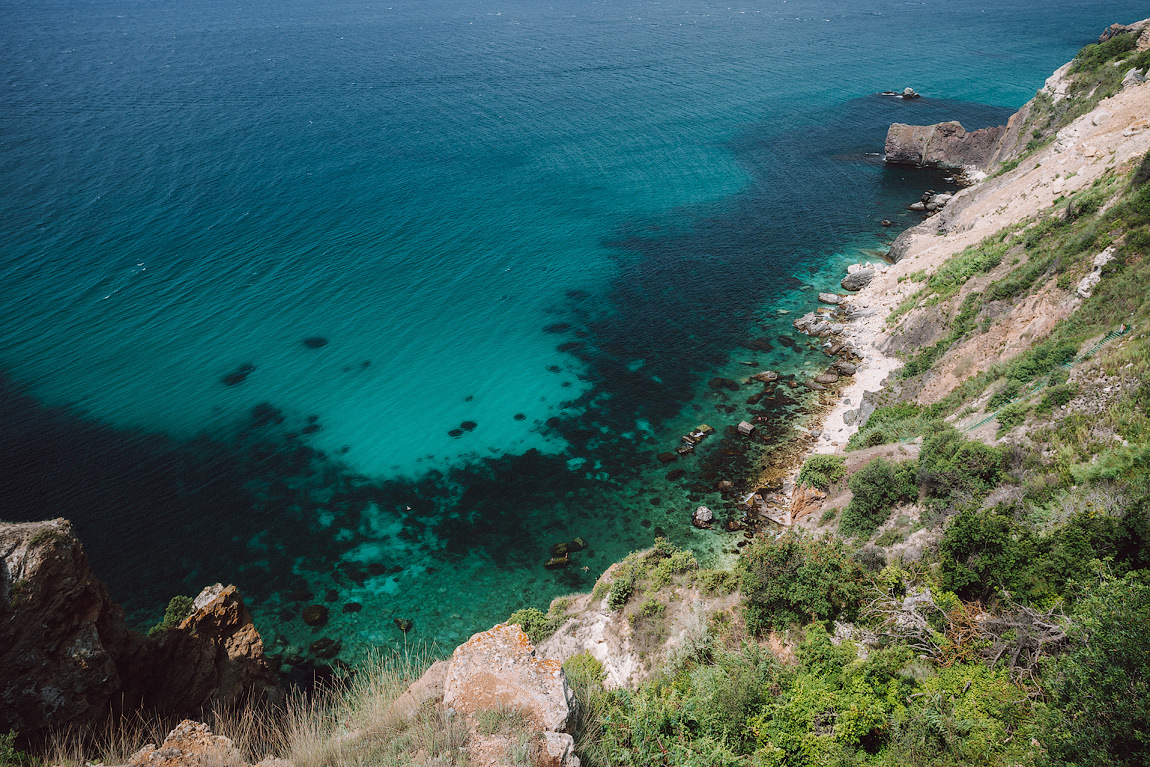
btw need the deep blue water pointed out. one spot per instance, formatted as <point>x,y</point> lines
<point>551,223</point>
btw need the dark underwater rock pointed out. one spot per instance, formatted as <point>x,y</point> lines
<point>325,648</point>
<point>239,375</point>
<point>314,615</point>
<point>315,342</point>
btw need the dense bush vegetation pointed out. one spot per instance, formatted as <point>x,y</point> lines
<point>877,487</point>
<point>822,471</point>
<point>797,578</point>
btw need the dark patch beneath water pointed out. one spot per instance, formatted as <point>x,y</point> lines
<point>160,516</point>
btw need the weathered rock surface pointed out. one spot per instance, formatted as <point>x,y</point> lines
<point>215,657</point>
<point>190,744</point>
<point>60,636</point>
<point>1087,284</point>
<point>497,669</point>
<point>804,500</point>
<point>67,657</point>
<point>858,280</point>
<point>943,145</point>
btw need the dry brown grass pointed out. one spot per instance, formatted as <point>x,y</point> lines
<point>346,723</point>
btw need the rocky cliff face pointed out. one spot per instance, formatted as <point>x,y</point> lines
<point>67,657</point>
<point>61,638</point>
<point>944,145</point>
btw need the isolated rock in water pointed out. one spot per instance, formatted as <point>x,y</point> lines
<point>830,298</point>
<point>315,342</point>
<point>908,94</point>
<point>498,669</point>
<point>858,280</point>
<point>826,378</point>
<point>943,145</point>
<point>702,518</point>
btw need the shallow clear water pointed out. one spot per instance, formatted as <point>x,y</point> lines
<point>556,223</point>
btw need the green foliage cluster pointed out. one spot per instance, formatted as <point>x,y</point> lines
<point>822,470</point>
<point>958,269</point>
<point>795,578</point>
<point>892,423</point>
<point>11,756</point>
<point>536,624</point>
<point>1100,691</point>
<point>1093,56</point>
<point>878,487</point>
<point>179,607</point>
<point>715,582</point>
<point>745,708</point>
<point>1011,416</point>
<point>952,467</point>
<point>651,570</point>
<point>986,552</point>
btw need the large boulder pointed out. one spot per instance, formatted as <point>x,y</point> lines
<point>858,280</point>
<point>497,669</point>
<point>943,145</point>
<point>213,658</point>
<point>190,744</point>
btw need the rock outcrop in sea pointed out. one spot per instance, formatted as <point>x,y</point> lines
<point>944,145</point>
<point>67,658</point>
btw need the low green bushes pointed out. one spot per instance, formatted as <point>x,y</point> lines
<point>796,578</point>
<point>536,624</point>
<point>877,487</point>
<point>179,607</point>
<point>822,471</point>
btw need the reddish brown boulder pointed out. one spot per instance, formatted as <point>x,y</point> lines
<point>214,657</point>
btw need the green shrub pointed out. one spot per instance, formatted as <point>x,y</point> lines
<point>1101,710</point>
<point>10,756</point>
<point>983,552</point>
<point>950,464</point>
<point>877,487</point>
<point>1093,56</point>
<point>622,588</point>
<point>651,608</point>
<point>1011,416</point>
<point>716,582</point>
<point>536,624</point>
<point>1008,392</point>
<point>828,516</point>
<point>795,578</point>
<point>179,607</point>
<point>822,470</point>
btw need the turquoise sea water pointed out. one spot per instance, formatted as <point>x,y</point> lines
<point>528,236</point>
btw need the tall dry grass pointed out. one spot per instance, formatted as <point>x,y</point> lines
<point>346,723</point>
